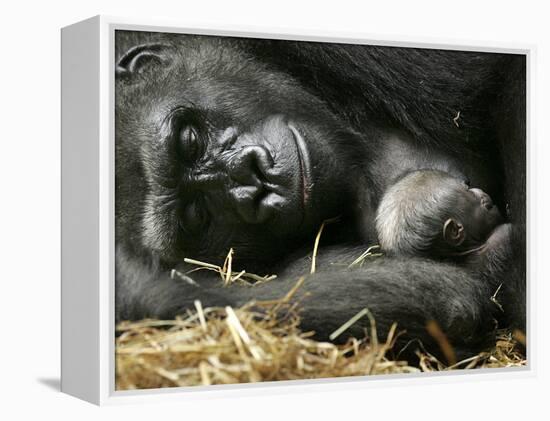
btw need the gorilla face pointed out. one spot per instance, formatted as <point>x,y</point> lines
<point>215,151</point>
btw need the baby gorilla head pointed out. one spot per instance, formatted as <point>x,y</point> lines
<point>432,213</point>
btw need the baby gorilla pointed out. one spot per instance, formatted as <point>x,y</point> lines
<point>432,214</point>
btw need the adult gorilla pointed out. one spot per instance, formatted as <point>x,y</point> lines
<point>251,144</point>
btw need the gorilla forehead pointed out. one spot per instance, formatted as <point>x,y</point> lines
<point>213,73</point>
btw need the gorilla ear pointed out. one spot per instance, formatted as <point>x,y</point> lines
<point>453,232</point>
<point>139,59</point>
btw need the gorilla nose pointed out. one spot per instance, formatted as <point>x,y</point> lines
<point>254,195</point>
<point>250,166</point>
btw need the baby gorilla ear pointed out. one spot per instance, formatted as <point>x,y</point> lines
<point>142,58</point>
<point>453,232</point>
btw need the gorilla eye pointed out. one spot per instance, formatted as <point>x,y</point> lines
<point>189,142</point>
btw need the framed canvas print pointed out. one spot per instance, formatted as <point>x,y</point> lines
<point>288,210</point>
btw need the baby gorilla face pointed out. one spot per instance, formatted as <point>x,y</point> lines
<point>475,211</point>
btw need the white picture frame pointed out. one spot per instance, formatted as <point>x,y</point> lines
<point>88,215</point>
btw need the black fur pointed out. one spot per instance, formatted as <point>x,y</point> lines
<point>368,115</point>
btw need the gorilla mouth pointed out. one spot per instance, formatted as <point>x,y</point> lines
<point>303,158</point>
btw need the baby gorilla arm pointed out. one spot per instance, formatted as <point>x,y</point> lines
<point>492,259</point>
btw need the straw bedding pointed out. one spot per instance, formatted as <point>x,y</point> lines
<point>260,342</point>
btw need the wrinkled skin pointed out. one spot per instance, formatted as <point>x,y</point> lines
<point>252,144</point>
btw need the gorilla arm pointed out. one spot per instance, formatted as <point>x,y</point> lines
<point>407,291</point>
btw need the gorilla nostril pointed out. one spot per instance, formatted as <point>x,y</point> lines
<point>250,166</point>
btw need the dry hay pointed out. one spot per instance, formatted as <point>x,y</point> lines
<point>262,342</point>
<point>250,344</point>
